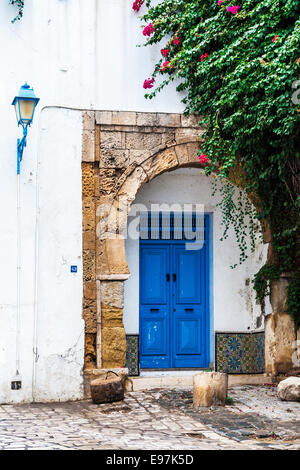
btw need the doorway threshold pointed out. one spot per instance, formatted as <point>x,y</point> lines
<point>170,372</point>
<point>183,379</point>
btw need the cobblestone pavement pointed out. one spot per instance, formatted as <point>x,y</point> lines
<point>157,419</point>
<point>256,415</point>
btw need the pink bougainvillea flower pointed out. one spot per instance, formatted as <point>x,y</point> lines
<point>148,83</point>
<point>275,38</point>
<point>166,65</point>
<point>137,5</point>
<point>165,52</point>
<point>220,1</point>
<point>176,41</point>
<point>203,57</point>
<point>203,159</point>
<point>148,30</point>
<point>234,9</point>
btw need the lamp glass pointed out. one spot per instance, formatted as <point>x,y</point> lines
<point>25,110</point>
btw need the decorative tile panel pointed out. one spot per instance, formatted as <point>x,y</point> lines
<point>240,353</point>
<point>132,355</point>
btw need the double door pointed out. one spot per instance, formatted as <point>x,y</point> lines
<point>173,300</point>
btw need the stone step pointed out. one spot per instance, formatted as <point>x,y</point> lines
<point>186,381</point>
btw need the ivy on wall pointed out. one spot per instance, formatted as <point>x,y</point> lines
<point>20,5</point>
<point>237,65</point>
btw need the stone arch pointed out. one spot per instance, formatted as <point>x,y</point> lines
<point>125,191</point>
<point>123,151</point>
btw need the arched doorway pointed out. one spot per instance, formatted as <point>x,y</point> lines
<point>122,152</point>
<point>136,150</point>
<point>228,302</point>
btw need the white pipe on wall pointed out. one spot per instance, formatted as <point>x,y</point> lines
<point>18,316</point>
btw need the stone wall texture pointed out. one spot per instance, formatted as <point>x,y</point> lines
<point>121,152</point>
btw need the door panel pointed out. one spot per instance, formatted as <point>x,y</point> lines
<point>173,304</point>
<point>188,308</point>
<point>187,336</point>
<point>155,306</point>
<point>154,265</point>
<point>187,270</point>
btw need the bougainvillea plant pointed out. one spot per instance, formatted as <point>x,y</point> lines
<point>236,63</point>
<point>20,5</point>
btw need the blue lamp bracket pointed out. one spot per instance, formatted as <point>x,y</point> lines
<point>20,148</point>
<point>26,94</point>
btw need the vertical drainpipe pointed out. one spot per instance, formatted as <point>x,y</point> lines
<point>35,355</point>
<point>18,317</point>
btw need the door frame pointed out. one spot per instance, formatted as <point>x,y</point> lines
<point>208,292</point>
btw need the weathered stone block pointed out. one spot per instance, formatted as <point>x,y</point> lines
<point>124,118</point>
<point>279,295</point>
<point>112,293</point>
<point>143,141</point>
<point>147,119</point>
<point>89,290</point>
<point>209,389</point>
<point>89,240</point>
<point>88,146</point>
<point>111,140</point>
<point>138,156</point>
<point>90,351</point>
<point>116,256</point>
<point>163,161</point>
<point>88,120</point>
<point>113,158</point>
<point>187,135</point>
<point>132,184</point>
<point>89,265</point>
<point>113,347</point>
<point>190,121</point>
<point>168,120</point>
<point>90,317</point>
<point>89,213</point>
<point>187,154</point>
<point>101,257</point>
<point>289,389</point>
<point>280,340</point>
<point>103,117</point>
<point>168,139</point>
<point>88,188</point>
<point>108,178</point>
<point>111,316</point>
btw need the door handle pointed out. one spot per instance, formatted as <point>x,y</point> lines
<point>168,277</point>
<point>174,277</point>
<point>189,309</point>
<point>154,309</point>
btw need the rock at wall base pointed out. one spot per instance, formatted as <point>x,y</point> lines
<point>289,389</point>
<point>107,390</point>
<point>209,389</point>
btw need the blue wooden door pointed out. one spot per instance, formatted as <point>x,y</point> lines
<point>173,304</point>
<point>188,312</point>
<point>155,306</point>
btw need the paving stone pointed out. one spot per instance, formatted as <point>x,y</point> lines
<point>160,419</point>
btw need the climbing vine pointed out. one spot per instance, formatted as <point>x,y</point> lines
<point>237,65</point>
<point>20,5</point>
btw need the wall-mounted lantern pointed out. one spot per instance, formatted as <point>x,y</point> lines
<point>25,104</point>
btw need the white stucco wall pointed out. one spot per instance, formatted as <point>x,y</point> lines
<point>77,54</point>
<point>233,305</point>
